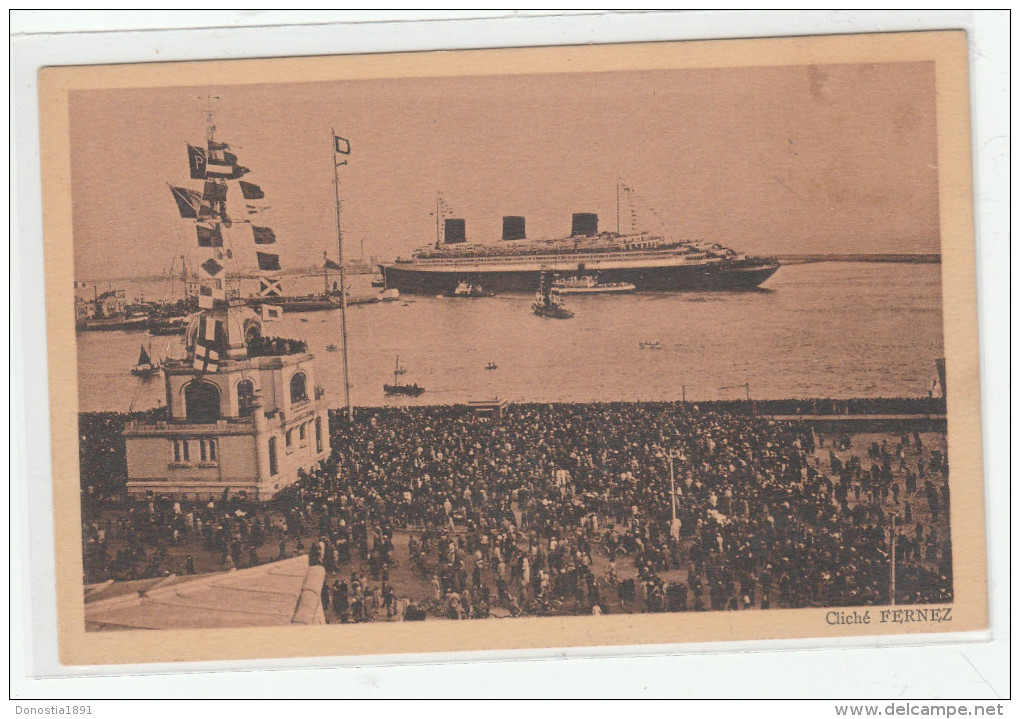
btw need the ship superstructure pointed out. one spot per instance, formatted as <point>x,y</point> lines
<point>648,261</point>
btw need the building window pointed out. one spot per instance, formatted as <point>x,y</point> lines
<point>201,451</point>
<point>202,402</point>
<point>290,438</point>
<point>245,398</point>
<point>177,450</point>
<point>298,391</point>
<point>301,433</point>
<point>185,450</point>
<point>318,434</point>
<point>212,450</point>
<point>273,467</point>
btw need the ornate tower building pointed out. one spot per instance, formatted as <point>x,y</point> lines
<point>244,413</point>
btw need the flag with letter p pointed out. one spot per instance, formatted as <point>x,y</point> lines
<point>196,161</point>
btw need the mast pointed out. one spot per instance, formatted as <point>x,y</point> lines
<point>618,206</point>
<point>325,275</point>
<point>437,219</point>
<point>343,284</point>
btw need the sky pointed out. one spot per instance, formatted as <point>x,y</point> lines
<point>767,160</point>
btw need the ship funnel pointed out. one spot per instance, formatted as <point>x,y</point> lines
<point>454,232</point>
<point>584,224</point>
<point>513,228</point>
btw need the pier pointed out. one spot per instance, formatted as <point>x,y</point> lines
<point>867,422</point>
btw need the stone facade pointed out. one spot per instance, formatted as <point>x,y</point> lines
<point>245,428</point>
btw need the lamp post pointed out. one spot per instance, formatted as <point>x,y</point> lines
<point>892,561</point>
<point>674,525</point>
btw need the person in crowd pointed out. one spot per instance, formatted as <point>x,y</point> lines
<point>526,514</point>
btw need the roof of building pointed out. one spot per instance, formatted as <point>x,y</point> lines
<point>275,594</point>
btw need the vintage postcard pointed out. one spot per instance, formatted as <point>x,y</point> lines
<point>581,346</point>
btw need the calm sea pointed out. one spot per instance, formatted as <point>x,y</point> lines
<point>816,330</point>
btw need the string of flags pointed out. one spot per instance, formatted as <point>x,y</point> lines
<point>208,344</point>
<point>215,166</point>
<point>633,199</point>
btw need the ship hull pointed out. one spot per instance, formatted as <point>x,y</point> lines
<point>407,277</point>
<point>403,390</point>
<point>140,323</point>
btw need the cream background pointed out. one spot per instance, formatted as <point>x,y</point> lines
<point>953,158</point>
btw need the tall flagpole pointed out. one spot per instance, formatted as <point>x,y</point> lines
<point>343,286</point>
<point>672,487</point>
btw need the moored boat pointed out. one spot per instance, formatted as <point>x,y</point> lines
<point>409,390</point>
<point>169,326</point>
<point>116,323</point>
<point>145,368</point>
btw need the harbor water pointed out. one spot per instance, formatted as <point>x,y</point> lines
<point>833,329</point>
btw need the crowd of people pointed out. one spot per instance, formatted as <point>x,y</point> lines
<point>576,509</point>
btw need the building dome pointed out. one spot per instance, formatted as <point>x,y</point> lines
<point>230,330</point>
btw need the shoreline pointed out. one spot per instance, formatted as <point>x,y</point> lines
<point>784,408</point>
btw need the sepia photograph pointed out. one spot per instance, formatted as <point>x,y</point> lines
<point>619,345</point>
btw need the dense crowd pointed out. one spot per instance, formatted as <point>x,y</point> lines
<point>568,508</point>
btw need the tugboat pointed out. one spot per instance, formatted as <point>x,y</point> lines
<point>146,368</point>
<point>409,390</point>
<point>469,289</point>
<point>589,285</point>
<point>492,365</point>
<point>546,304</point>
<point>650,345</point>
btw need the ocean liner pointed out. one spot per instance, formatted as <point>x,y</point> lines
<point>647,261</point>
